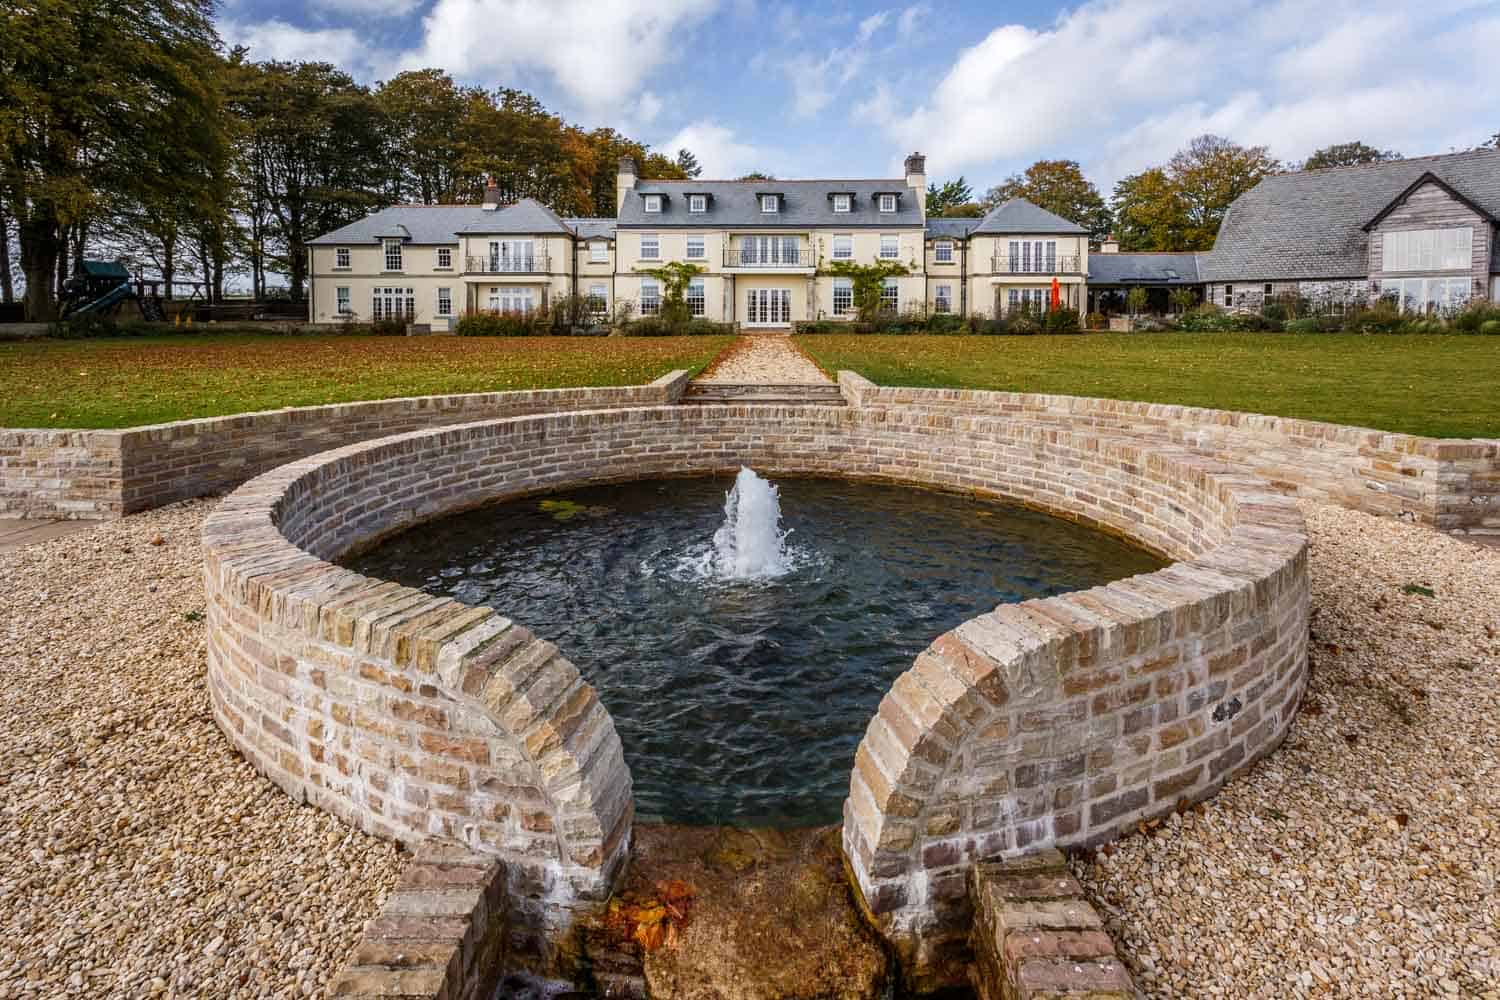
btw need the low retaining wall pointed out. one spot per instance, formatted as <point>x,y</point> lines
<point>1057,721</point>
<point>1451,484</point>
<point>106,474</point>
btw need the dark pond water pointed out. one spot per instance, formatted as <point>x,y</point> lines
<point>743,702</point>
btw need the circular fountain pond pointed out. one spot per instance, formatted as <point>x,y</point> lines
<point>741,656</point>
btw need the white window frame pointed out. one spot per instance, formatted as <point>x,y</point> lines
<point>343,304</point>
<point>697,297</point>
<point>653,242</point>
<point>942,299</point>
<point>697,248</point>
<point>650,303</point>
<point>843,296</point>
<point>443,302</point>
<point>598,297</point>
<point>392,302</point>
<point>890,246</point>
<point>887,203</point>
<point>697,204</point>
<point>651,204</point>
<point>598,252</point>
<point>443,259</point>
<point>509,299</point>
<point>1409,250</point>
<point>843,248</point>
<point>843,204</point>
<point>942,252</point>
<point>890,294</point>
<point>341,258</point>
<point>1444,295</point>
<point>770,204</point>
<point>393,254</point>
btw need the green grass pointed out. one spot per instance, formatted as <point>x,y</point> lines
<point>129,381</point>
<point>1437,385</point>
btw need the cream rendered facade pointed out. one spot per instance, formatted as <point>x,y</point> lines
<point>765,249</point>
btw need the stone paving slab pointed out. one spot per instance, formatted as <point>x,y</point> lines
<point>18,531</point>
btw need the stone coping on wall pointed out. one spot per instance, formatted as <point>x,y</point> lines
<point>1450,483</point>
<point>103,474</point>
<point>419,718</point>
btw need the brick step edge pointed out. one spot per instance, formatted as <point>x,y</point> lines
<point>1036,937</point>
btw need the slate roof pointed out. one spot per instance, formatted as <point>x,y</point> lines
<point>1307,225</point>
<point>592,228</point>
<point>1143,268</point>
<point>525,217</point>
<point>1019,216</point>
<point>950,228</point>
<point>804,203</point>
<point>428,224</point>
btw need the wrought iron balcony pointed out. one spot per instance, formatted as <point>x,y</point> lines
<point>531,264</point>
<point>767,257</point>
<point>1044,264</point>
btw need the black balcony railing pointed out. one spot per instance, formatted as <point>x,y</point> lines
<point>772,256</point>
<point>1043,264</point>
<point>526,264</point>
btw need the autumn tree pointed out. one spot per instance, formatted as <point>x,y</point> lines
<point>317,155</point>
<point>952,199</point>
<point>1208,175</point>
<point>1060,187</point>
<point>95,100</point>
<point>1149,213</point>
<point>1348,154</point>
<point>424,120</point>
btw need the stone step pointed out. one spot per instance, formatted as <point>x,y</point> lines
<point>789,394</point>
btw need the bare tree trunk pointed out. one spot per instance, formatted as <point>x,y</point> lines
<point>7,282</point>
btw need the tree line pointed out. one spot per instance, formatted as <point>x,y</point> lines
<point>1178,205</point>
<point>129,130</point>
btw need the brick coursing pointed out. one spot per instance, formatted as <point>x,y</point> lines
<point>100,475</point>
<point>1035,936</point>
<point>1057,721</point>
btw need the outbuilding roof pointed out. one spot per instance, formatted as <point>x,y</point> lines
<point>1020,217</point>
<point>1309,225</point>
<point>950,228</point>
<point>1143,268</point>
<point>802,203</point>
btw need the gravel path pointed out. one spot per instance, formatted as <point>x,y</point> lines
<point>139,854</point>
<point>1360,859</point>
<point>764,359</point>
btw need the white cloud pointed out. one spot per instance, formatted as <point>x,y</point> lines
<point>1122,84</point>
<point>871,24</point>
<point>719,152</point>
<point>648,107</point>
<point>367,8</point>
<point>598,54</point>
<point>815,80</point>
<point>278,40</point>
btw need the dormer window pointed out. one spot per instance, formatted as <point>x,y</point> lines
<point>770,203</point>
<point>392,255</point>
<point>887,203</point>
<point>697,203</point>
<point>842,203</point>
<point>652,203</point>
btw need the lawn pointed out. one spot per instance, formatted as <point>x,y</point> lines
<point>1439,385</point>
<point>123,382</point>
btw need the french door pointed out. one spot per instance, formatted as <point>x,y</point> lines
<point>512,256</point>
<point>768,250</point>
<point>512,300</point>
<point>768,306</point>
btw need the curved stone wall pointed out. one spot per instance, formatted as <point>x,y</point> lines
<point>1050,721</point>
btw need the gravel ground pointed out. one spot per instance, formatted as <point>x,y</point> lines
<point>765,358</point>
<point>139,854</point>
<point>1361,858</point>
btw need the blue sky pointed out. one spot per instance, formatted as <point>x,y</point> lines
<point>848,88</point>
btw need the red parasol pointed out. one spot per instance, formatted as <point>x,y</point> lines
<point>1056,294</point>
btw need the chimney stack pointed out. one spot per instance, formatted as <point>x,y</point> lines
<point>491,194</point>
<point>916,177</point>
<point>624,181</point>
<point>1109,244</point>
